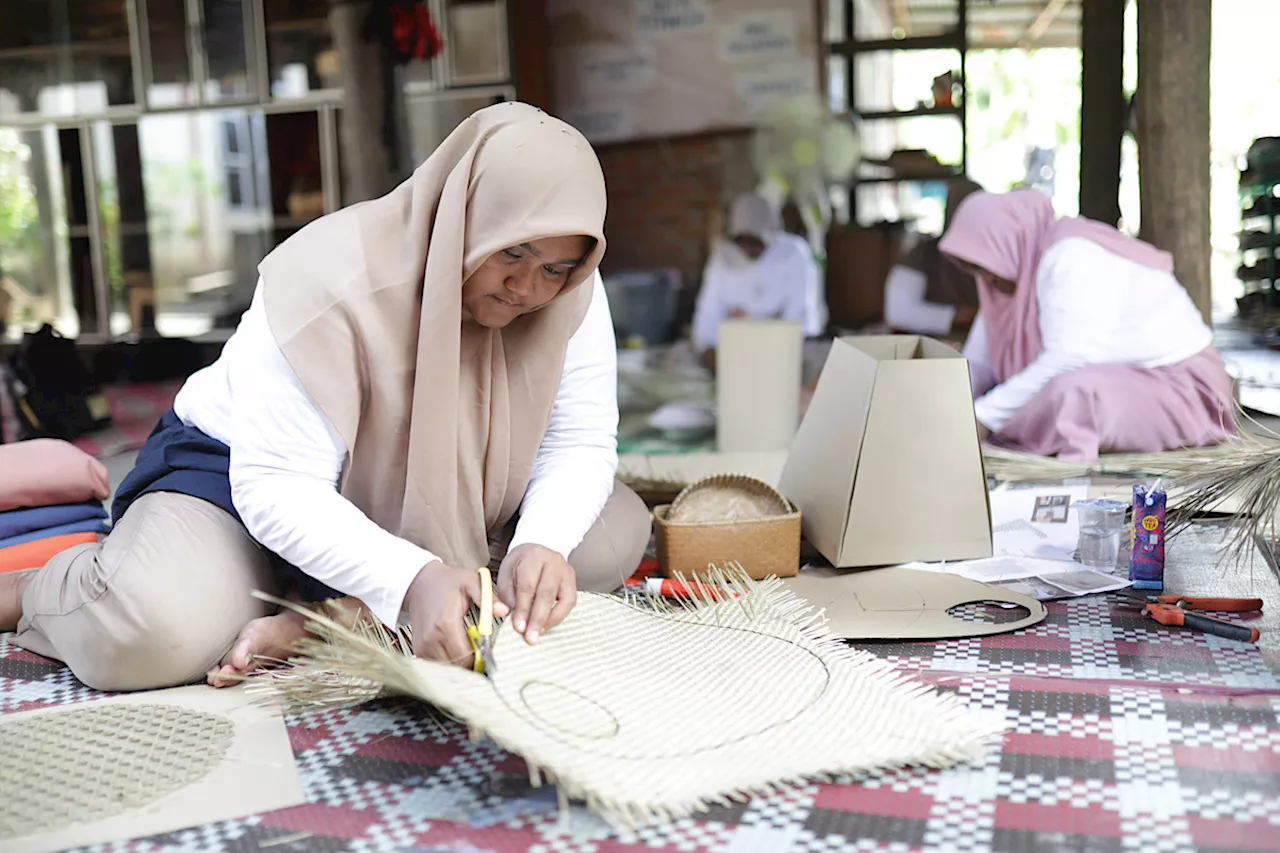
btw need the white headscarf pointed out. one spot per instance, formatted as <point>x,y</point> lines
<point>751,216</point>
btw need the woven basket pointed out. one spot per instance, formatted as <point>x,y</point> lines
<point>729,517</point>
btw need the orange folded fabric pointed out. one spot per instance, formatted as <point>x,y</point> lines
<point>33,555</point>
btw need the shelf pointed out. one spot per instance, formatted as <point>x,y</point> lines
<point>114,47</point>
<point>946,41</point>
<point>907,179</point>
<point>1259,188</point>
<point>877,115</point>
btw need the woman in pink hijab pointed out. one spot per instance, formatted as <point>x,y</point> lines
<point>1085,342</point>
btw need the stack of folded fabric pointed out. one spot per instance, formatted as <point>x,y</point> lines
<point>51,495</point>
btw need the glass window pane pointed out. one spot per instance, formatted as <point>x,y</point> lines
<point>833,21</point>
<point>837,83</point>
<point>300,50</point>
<point>62,57</point>
<point>874,20</point>
<point>295,174</point>
<point>34,250</point>
<point>434,118</point>
<point>203,249</point>
<point>84,294</point>
<point>171,82</point>
<point>226,47</point>
<point>477,41</point>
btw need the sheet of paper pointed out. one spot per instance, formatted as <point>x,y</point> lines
<point>1041,579</point>
<point>1066,585</point>
<point>1037,523</point>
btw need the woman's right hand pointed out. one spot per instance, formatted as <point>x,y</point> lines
<point>437,601</point>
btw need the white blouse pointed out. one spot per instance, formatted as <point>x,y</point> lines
<point>1096,307</point>
<point>905,306</point>
<point>286,460</point>
<point>784,282</point>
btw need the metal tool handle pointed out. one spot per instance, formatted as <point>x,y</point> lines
<point>1218,628</point>
<point>1168,614</point>
<point>1220,605</point>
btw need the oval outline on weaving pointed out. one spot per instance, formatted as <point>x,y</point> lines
<point>645,750</point>
<point>613,718</point>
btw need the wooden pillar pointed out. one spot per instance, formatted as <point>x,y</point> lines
<point>1102,108</point>
<point>368,131</point>
<point>1173,135</point>
<point>530,37</point>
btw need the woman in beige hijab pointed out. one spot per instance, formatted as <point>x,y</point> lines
<point>424,384</point>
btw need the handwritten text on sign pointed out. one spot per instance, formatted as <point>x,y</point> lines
<point>658,17</point>
<point>605,69</point>
<point>758,35</point>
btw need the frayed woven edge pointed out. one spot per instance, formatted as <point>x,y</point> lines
<point>341,667</point>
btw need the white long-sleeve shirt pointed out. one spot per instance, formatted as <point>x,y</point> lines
<point>286,460</point>
<point>905,307</point>
<point>1096,307</point>
<point>783,282</point>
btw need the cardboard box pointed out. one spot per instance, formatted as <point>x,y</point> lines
<point>886,467</point>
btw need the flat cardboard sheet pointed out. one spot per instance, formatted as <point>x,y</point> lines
<point>758,371</point>
<point>886,467</point>
<point>257,774</point>
<point>904,604</point>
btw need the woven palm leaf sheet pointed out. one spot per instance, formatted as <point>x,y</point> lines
<point>139,764</point>
<point>649,712</point>
<point>96,762</point>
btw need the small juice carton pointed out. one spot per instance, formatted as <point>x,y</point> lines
<point>1146,561</point>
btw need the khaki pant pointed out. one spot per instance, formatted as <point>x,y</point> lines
<point>160,600</point>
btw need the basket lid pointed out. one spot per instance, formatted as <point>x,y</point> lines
<point>728,497</point>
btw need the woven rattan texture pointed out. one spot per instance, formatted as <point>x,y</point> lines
<point>653,714</point>
<point>86,764</point>
<point>725,498</point>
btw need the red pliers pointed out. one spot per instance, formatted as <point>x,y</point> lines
<point>1173,610</point>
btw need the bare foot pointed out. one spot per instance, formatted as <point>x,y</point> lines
<point>262,641</point>
<point>12,585</point>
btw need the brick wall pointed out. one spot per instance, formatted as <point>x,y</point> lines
<point>666,198</point>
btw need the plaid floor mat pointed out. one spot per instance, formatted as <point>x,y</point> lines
<point>1122,735</point>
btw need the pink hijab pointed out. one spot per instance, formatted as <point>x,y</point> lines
<point>1006,234</point>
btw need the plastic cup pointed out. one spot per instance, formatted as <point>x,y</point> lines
<point>1101,524</point>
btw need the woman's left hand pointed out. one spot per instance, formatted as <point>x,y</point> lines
<point>540,587</point>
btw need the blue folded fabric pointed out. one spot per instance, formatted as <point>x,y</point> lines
<point>17,522</point>
<point>91,525</point>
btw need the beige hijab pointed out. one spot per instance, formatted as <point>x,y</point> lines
<point>442,418</point>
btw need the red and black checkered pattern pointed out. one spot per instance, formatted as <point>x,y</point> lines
<point>1121,735</point>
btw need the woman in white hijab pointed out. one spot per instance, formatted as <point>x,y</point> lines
<point>758,271</point>
<point>424,384</point>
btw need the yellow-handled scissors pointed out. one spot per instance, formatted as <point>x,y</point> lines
<point>480,632</point>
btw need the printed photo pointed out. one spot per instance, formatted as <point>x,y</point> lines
<point>1051,509</point>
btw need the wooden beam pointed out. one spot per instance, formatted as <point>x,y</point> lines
<point>1102,108</point>
<point>1173,136</point>
<point>531,52</point>
<point>1042,22</point>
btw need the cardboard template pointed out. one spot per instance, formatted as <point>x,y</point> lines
<point>758,371</point>
<point>886,467</point>
<point>904,604</point>
<point>257,774</point>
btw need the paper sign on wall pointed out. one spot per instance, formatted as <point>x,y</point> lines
<point>758,35</point>
<point>670,16</point>
<point>629,68</point>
